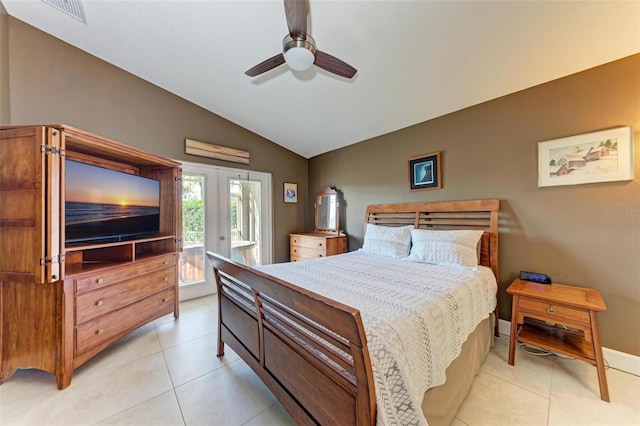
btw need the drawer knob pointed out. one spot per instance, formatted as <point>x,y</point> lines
<point>100,280</point>
<point>165,300</point>
<point>166,262</point>
<point>319,255</point>
<point>100,332</point>
<point>100,302</point>
<point>551,310</point>
<point>166,278</point>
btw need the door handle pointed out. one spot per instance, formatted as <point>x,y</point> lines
<point>222,238</point>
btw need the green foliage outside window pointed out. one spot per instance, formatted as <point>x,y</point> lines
<point>193,221</point>
<point>234,213</point>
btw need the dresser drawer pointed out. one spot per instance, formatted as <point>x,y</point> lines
<point>121,273</point>
<point>92,304</point>
<point>550,312</point>
<point>307,253</point>
<point>308,242</point>
<point>117,323</point>
<point>296,258</point>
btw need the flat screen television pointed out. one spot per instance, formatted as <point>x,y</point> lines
<point>104,205</point>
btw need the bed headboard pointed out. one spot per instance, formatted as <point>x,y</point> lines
<point>469,214</point>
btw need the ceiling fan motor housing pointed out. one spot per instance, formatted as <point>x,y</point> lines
<point>299,53</point>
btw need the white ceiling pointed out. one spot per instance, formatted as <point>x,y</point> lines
<point>416,60</point>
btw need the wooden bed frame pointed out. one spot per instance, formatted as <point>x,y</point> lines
<point>309,350</point>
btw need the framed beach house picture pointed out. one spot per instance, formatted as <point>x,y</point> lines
<point>603,156</point>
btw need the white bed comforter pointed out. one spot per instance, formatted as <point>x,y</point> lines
<point>416,317</point>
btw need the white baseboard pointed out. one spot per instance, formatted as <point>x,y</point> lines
<point>619,360</point>
<point>622,361</point>
<point>504,326</point>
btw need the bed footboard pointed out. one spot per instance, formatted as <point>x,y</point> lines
<point>309,350</point>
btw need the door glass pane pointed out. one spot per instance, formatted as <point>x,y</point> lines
<point>244,217</point>
<point>192,261</point>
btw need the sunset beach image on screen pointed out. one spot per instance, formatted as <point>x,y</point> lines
<point>103,205</point>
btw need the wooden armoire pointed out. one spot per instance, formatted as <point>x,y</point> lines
<point>62,303</point>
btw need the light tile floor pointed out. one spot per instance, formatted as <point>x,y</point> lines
<point>166,373</point>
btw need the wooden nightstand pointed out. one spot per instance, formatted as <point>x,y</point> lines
<point>559,318</point>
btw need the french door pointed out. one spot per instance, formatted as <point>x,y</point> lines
<point>227,211</point>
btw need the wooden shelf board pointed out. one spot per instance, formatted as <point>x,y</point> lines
<point>84,267</point>
<point>555,339</point>
<point>83,247</point>
<point>149,255</point>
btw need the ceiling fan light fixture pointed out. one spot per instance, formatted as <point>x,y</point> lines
<point>299,53</point>
<point>299,48</point>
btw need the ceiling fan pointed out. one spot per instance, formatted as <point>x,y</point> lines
<point>299,48</point>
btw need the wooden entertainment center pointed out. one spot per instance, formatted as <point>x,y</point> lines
<point>61,304</point>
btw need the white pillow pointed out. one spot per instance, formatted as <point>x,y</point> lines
<point>456,248</point>
<point>387,240</point>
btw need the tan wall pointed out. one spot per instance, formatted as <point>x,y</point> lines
<point>4,65</point>
<point>53,82</point>
<point>490,151</point>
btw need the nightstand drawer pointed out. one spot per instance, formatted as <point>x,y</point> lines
<point>553,312</point>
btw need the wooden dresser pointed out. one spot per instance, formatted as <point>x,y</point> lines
<point>62,302</point>
<point>315,244</point>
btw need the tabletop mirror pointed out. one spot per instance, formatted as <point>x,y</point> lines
<point>327,211</point>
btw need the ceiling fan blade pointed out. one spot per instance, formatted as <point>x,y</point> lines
<point>265,66</point>
<point>334,65</point>
<point>296,12</point>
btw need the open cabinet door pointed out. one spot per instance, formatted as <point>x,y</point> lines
<point>177,178</point>
<point>30,203</point>
<point>53,200</point>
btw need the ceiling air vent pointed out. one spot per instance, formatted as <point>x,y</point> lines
<point>70,7</point>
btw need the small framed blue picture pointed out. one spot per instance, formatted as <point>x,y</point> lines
<point>290,192</point>
<point>425,172</point>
